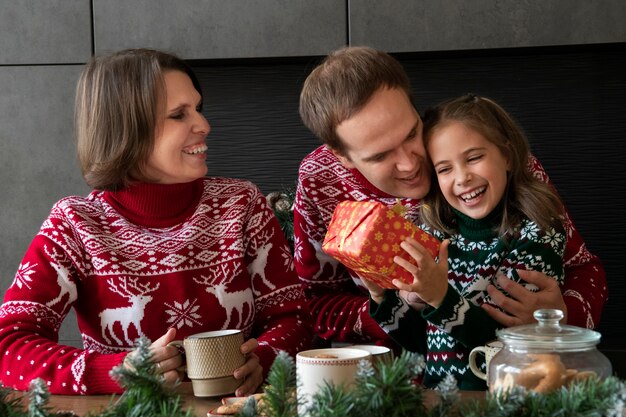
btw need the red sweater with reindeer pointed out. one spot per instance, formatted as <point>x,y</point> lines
<point>200,256</point>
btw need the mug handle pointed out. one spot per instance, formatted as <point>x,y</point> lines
<point>179,345</point>
<point>472,362</point>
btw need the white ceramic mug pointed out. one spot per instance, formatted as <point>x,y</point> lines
<point>489,350</point>
<point>332,365</point>
<point>211,359</point>
<point>379,353</point>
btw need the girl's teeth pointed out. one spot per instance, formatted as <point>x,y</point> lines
<point>473,194</point>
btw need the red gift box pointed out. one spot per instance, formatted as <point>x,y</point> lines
<point>365,237</point>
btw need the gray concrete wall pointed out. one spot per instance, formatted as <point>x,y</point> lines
<point>43,45</point>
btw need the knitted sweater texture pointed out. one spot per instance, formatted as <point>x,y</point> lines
<point>200,256</point>
<point>337,300</point>
<point>458,325</point>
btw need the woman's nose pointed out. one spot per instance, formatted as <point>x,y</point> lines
<point>202,124</point>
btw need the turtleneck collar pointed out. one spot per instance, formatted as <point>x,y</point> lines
<point>156,205</point>
<point>480,229</point>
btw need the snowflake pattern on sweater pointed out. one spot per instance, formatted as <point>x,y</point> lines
<point>338,302</point>
<point>475,256</point>
<point>226,264</point>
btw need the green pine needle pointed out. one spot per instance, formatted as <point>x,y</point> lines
<point>280,391</point>
<point>333,401</point>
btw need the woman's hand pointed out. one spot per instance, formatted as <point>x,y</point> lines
<point>521,303</point>
<point>251,372</point>
<point>167,359</point>
<point>430,278</point>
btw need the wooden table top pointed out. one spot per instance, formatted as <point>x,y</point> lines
<point>83,404</point>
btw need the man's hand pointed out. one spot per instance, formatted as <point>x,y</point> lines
<point>521,303</point>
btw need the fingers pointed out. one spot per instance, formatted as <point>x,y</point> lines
<point>166,358</point>
<point>168,337</point>
<point>252,375</point>
<point>542,281</point>
<point>443,249</point>
<point>509,305</point>
<point>414,249</point>
<point>402,286</point>
<point>248,346</point>
<point>376,292</point>
<point>502,318</point>
<point>172,376</point>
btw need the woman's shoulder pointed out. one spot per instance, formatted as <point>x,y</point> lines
<point>75,210</point>
<point>80,203</point>
<point>224,187</point>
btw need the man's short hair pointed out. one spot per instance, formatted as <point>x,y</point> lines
<point>343,84</point>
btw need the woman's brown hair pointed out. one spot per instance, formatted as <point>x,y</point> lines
<point>525,195</point>
<point>116,114</point>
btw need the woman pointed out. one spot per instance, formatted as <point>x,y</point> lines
<point>156,250</point>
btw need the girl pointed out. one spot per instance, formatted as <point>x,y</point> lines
<point>495,218</point>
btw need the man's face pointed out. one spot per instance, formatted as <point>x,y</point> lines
<point>384,143</point>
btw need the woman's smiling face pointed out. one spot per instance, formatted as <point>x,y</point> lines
<point>179,153</point>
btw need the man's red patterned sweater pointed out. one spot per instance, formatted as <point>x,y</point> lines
<point>200,256</point>
<point>337,300</point>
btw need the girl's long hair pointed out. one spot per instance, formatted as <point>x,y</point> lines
<point>525,196</point>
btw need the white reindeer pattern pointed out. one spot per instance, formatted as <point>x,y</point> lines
<point>63,280</point>
<point>235,300</point>
<point>137,295</point>
<point>323,258</point>
<point>257,267</point>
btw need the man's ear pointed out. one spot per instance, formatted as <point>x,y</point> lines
<point>345,161</point>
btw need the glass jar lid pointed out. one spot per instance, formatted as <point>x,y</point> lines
<point>549,334</point>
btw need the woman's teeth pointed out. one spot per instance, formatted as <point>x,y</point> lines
<point>473,194</point>
<point>195,149</point>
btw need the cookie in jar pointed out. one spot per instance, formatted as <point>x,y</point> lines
<point>546,356</point>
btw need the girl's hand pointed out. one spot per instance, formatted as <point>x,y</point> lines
<point>251,372</point>
<point>430,278</point>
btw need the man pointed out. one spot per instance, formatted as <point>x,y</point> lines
<point>359,103</point>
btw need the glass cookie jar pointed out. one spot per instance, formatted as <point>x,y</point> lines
<point>546,356</point>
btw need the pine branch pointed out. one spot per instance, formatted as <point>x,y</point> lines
<point>280,392</point>
<point>10,407</point>
<point>389,390</point>
<point>333,401</point>
<point>38,398</point>
<point>145,393</point>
